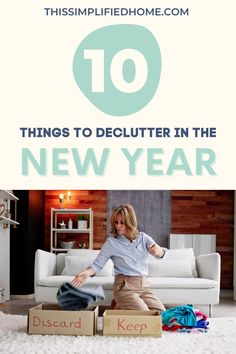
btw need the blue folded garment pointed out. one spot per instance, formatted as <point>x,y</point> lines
<point>75,299</point>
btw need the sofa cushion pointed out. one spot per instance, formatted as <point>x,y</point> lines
<point>155,283</point>
<point>76,264</point>
<point>54,280</point>
<point>105,282</point>
<point>181,283</point>
<point>83,251</point>
<point>180,268</point>
<point>58,280</point>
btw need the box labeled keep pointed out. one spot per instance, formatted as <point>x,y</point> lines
<point>51,319</point>
<point>132,323</point>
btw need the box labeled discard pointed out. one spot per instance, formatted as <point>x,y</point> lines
<point>51,319</point>
<point>132,323</point>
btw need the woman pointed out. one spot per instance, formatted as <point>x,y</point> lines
<point>128,249</point>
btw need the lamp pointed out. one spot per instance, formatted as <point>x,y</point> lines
<point>68,199</point>
<point>61,196</point>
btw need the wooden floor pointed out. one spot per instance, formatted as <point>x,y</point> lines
<point>226,308</point>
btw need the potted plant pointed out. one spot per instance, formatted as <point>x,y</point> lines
<point>82,222</point>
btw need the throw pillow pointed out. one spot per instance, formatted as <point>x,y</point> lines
<point>184,253</point>
<point>178,268</point>
<point>76,264</point>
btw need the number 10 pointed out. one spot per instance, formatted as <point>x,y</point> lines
<point>116,70</point>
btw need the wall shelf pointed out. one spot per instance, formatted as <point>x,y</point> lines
<point>6,195</point>
<point>58,234</point>
<point>5,198</point>
<point>71,231</point>
<point>7,221</point>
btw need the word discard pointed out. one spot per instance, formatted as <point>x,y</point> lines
<point>37,321</point>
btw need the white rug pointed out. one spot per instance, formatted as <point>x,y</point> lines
<point>221,338</point>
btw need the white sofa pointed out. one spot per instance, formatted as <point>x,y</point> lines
<point>177,280</point>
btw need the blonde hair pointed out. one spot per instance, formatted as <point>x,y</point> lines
<point>130,220</point>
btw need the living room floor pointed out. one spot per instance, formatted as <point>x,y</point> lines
<point>226,308</point>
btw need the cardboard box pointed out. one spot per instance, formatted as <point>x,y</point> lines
<point>51,319</point>
<point>132,323</point>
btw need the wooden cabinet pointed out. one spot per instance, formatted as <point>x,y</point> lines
<point>67,228</point>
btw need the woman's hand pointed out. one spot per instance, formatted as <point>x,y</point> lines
<point>80,278</point>
<point>156,250</point>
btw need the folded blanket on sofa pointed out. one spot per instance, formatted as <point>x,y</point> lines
<point>75,299</point>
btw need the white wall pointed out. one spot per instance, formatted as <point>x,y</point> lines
<point>234,245</point>
<point>201,243</point>
<point>5,260</point>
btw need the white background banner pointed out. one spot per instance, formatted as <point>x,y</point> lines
<point>39,93</point>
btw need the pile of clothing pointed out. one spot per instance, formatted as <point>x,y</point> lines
<point>184,319</point>
<point>71,298</point>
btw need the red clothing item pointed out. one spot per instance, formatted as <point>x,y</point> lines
<point>172,328</point>
<point>201,315</point>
